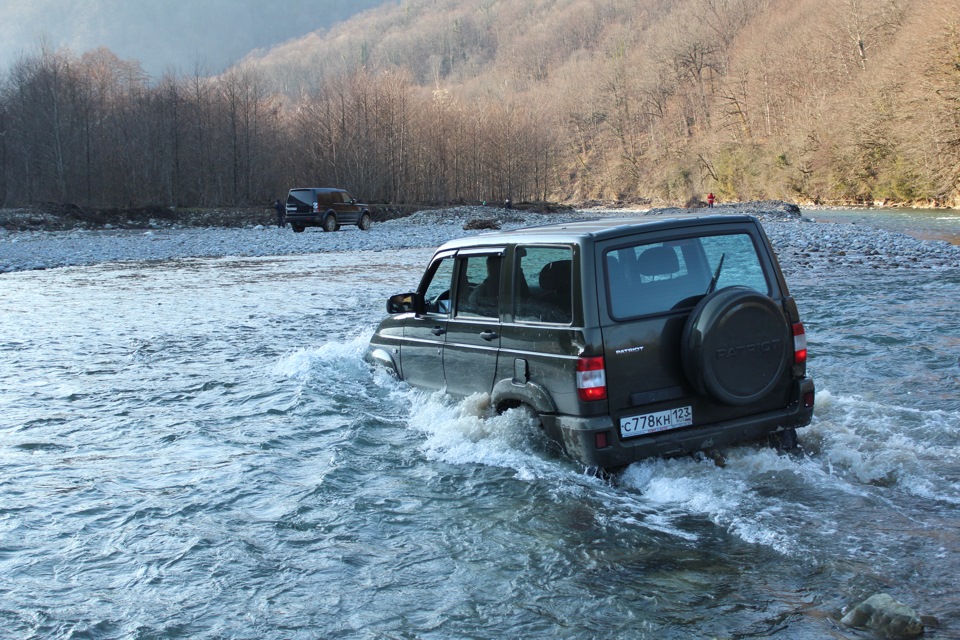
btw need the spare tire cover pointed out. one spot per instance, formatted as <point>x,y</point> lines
<point>736,345</point>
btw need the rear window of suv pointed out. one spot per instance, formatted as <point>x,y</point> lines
<point>663,276</point>
<point>297,196</point>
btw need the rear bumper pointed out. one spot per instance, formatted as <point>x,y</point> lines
<point>579,435</point>
<point>306,219</point>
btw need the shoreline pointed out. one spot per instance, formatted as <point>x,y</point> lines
<point>800,241</point>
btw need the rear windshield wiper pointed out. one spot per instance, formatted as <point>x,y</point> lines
<point>716,276</point>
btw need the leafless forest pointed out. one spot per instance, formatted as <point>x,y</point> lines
<point>436,101</point>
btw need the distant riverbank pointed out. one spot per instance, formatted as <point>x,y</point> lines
<point>798,238</point>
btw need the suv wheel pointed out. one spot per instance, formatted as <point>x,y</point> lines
<point>736,344</point>
<point>330,223</point>
<point>364,223</point>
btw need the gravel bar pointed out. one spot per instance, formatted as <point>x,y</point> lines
<point>800,240</point>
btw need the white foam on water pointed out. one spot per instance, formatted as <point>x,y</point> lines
<point>853,446</point>
<point>867,442</point>
<point>465,432</point>
<point>728,497</point>
<point>345,357</point>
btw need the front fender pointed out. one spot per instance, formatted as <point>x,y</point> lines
<point>382,357</point>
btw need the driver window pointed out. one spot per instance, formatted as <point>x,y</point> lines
<point>436,296</point>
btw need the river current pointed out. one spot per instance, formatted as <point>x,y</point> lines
<point>196,449</point>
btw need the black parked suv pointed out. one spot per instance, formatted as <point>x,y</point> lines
<point>628,338</point>
<point>325,208</point>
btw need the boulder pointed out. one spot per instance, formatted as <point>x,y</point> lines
<point>885,616</point>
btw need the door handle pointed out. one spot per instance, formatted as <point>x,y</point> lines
<point>489,335</point>
<point>438,331</point>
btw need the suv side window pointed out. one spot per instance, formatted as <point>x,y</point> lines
<point>663,276</point>
<point>478,293</point>
<point>544,285</point>
<point>436,295</point>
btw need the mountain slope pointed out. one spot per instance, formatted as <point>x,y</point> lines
<point>850,100</point>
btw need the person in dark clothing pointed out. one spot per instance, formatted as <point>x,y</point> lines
<point>281,213</point>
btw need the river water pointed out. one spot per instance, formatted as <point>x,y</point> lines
<point>928,224</point>
<point>196,449</point>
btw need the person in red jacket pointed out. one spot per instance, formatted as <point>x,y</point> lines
<point>710,200</point>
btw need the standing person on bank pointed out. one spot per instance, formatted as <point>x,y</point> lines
<point>710,200</point>
<point>281,214</point>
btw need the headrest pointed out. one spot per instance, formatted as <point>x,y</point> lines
<point>658,261</point>
<point>555,276</point>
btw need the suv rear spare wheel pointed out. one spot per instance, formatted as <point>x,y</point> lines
<point>736,345</point>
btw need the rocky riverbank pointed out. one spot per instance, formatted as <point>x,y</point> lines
<point>800,241</point>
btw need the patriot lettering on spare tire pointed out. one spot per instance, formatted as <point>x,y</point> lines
<point>736,344</point>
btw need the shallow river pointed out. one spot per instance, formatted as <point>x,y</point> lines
<point>197,450</point>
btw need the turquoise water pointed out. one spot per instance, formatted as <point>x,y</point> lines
<point>927,224</point>
<point>196,449</point>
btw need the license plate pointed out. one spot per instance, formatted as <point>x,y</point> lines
<point>656,421</point>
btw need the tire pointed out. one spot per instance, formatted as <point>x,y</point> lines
<point>736,346</point>
<point>364,222</point>
<point>785,440</point>
<point>297,228</point>
<point>330,223</point>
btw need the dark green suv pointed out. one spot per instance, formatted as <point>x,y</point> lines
<point>325,208</point>
<point>628,338</point>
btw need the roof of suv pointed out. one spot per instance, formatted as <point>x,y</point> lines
<point>317,189</point>
<point>600,229</point>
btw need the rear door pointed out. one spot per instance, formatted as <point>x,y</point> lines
<point>347,212</point>
<point>473,332</point>
<point>652,286</point>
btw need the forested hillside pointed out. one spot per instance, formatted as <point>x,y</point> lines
<point>834,101</point>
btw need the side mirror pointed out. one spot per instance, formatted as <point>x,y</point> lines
<point>402,303</point>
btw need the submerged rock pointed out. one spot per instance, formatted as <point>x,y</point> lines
<point>886,616</point>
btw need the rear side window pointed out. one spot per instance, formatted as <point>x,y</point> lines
<point>543,290</point>
<point>478,290</point>
<point>676,274</point>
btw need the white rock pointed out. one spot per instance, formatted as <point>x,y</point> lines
<point>886,616</point>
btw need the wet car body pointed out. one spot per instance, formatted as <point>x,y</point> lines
<point>627,338</point>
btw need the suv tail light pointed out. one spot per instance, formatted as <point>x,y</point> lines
<point>591,379</point>
<point>799,344</point>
